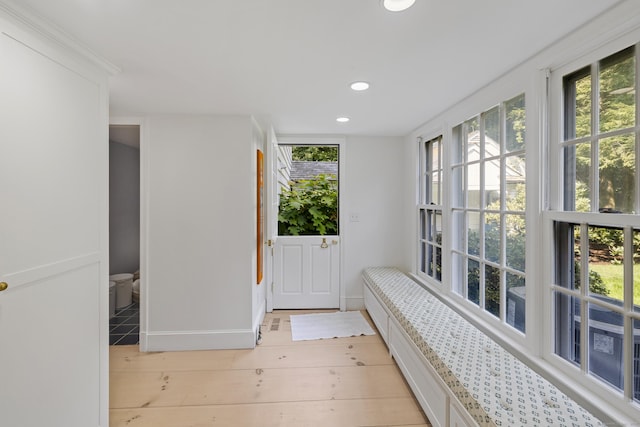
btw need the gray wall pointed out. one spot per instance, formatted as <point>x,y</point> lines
<point>124,208</point>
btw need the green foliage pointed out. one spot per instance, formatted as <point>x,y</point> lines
<point>309,208</point>
<point>315,153</point>
<point>596,283</point>
<point>516,115</point>
<point>616,154</point>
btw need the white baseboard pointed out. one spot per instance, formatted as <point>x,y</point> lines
<point>198,340</point>
<point>258,318</point>
<point>354,303</point>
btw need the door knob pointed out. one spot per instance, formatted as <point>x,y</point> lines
<point>3,286</point>
<point>324,244</point>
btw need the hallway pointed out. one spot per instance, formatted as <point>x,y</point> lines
<point>339,382</point>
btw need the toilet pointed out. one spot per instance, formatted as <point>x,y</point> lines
<point>124,285</point>
<point>136,290</point>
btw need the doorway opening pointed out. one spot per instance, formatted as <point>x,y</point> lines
<point>124,234</point>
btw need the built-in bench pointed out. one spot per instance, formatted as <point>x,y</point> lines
<point>460,376</point>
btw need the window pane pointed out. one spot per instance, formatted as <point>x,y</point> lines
<point>578,93</point>
<point>458,227</point>
<point>473,281</point>
<point>491,133</point>
<point>566,311</point>
<point>436,234</point>
<point>473,233</point>
<point>617,94</point>
<point>473,185</point>
<point>617,174</point>
<point>515,241</point>
<point>457,152</point>
<point>515,177</point>
<point>472,128</point>
<point>605,345</point>
<point>429,260</point>
<point>576,256</point>
<point>435,188</point>
<point>516,301</point>
<point>492,290</point>
<point>492,234</point>
<point>606,257</point>
<point>309,206</point>
<point>492,184</point>
<point>423,224</point>
<point>423,257</point>
<point>577,171</point>
<point>515,125</point>
<point>473,140</point>
<point>567,255</point>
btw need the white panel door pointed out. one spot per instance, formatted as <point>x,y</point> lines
<point>53,181</point>
<point>307,272</point>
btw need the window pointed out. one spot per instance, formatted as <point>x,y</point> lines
<point>430,209</point>
<point>596,280</point>
<point>308,190</point>
<point>488,211</point>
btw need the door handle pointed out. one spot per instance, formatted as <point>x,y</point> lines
<point>3,286</point>
<point>324,244</point>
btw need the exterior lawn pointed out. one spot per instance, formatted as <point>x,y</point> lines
<point>612,275</point>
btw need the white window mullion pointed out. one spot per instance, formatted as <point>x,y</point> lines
<point>584,291</point>
<point>628,341</point>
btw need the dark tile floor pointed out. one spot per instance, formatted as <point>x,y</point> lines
<point>124,328</point>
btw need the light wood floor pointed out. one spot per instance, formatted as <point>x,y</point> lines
<point>339,382</point>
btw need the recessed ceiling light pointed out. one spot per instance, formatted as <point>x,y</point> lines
<point>397,5</point>
<point>359,86</point>
<point>342,119</point>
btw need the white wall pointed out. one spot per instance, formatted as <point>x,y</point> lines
<point>375,191</point>
<point>201,232</point>
<point>124,208</point>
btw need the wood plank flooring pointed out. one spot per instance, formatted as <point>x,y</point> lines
<point>340,382</point>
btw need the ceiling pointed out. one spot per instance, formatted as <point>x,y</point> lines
<point>290,62</point>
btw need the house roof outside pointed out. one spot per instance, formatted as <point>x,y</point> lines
<point>309,170</point>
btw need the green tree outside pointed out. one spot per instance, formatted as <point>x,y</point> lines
<point>310,206</point>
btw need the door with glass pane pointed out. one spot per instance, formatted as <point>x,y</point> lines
<point>306,260</point>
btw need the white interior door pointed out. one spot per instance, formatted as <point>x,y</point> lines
<point>53,180</point>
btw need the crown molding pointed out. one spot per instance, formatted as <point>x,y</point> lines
<point>46,29</point>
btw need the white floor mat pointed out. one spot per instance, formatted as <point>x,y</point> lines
<point>329,325</point>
